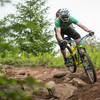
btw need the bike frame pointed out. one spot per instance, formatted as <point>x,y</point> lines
<point>72,45</point>
<point>78,59</point>
<point>78,55</point>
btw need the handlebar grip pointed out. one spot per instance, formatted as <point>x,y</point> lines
<point>63,43</point>
<point>91,33</point>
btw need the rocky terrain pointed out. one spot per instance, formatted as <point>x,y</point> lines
<point>65,86</point>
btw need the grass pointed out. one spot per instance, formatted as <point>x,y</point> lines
<point>46,59</point>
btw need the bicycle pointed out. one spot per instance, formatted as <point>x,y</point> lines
<point>78,56</point>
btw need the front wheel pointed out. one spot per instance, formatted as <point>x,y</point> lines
<point>89,68</point>
<point>72,68</point>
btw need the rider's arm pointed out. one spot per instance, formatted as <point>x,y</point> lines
<point>58,32</point>
<point>58,29</point>
<point>83,27</point>
<point>75,21</point>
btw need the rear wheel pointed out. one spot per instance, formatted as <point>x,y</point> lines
<point>72,68</point>
<point>89,68</point>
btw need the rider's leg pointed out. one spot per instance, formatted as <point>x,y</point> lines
<point>79,42</point>
<point>75,35</point>
<point>65,57</point>
<point>63,51</point>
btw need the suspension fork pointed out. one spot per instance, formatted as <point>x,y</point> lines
<point>85,49</point>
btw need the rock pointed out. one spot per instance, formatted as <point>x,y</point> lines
<point>54,71</point>
<point>59,74</point>
<point>21,72</point>
<point>97,99</point>
<point>63,91</point>
<point>50,84</point>
<point>39,76</point>
<point>67,79</point>
<point>77,82</point>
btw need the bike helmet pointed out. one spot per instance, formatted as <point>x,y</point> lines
<point>64,15</point>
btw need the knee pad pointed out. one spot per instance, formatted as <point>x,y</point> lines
<point>79,43</point>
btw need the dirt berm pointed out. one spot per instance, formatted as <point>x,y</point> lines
<point>65,86</point>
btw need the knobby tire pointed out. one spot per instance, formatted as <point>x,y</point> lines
<point>73,67</point>
<point>91,76</point>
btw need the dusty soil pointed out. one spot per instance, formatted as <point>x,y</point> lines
<point>67,87</point>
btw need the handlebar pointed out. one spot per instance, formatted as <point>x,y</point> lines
<point>69,40</point>
<point>86,36</point>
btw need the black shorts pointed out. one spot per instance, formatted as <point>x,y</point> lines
<point>70,32</point>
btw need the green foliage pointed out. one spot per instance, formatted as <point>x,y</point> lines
<point>26,59</point>
<point>29,28</point>
<point>56,62</point>
<point>11,89</point>
<point>93,49</point>
<point>30,60</point>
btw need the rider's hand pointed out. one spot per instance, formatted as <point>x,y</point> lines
<point>91,33</point>
<point>63,42</point>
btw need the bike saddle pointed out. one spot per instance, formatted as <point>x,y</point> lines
<point>69,40</point>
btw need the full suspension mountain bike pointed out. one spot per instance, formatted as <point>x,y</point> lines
<point>78,56</point>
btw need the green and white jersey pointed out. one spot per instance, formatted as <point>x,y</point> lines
<point>62,25</point>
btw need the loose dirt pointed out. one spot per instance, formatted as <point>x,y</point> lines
<point>67,86</point>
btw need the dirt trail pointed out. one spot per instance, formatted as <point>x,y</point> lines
<point>68,87</point>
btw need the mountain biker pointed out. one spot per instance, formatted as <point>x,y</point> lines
<point>63,26</point>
